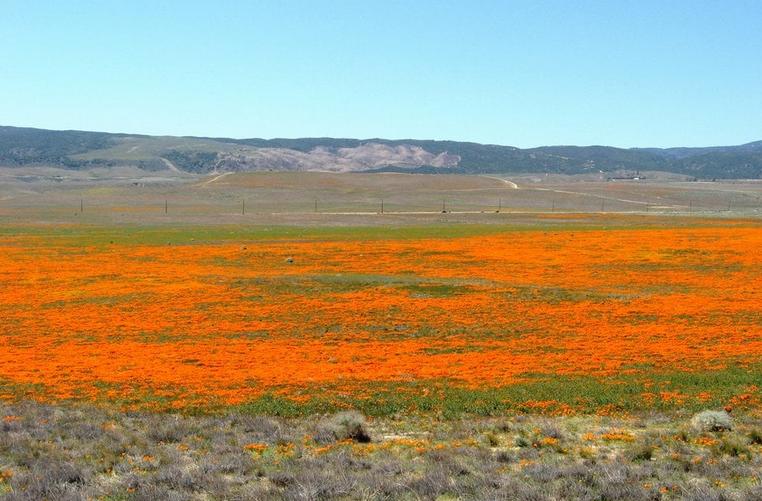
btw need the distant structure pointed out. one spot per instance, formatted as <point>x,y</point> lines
<point>627,176</point>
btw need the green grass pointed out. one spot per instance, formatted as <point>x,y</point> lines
<point>76,235</point>
<point>338,283</point>
<point>190,234</point>
<point>445,399</point>
<point>556,295</point>
<point>115,300</point>
<point>583,394</point>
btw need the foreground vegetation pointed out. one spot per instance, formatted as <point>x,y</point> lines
<point>86,453</point>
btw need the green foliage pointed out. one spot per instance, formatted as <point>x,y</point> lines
<point>731,446</point>
<point>755,437</point>
<point>192,161</point>
<point>25,146</point>
<point>642,452</point>
<point>582,394</point>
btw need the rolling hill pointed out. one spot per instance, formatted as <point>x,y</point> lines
<point>80,150</point>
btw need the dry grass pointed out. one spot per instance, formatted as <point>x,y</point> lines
<point>85,453</point>
<point>349,199</point>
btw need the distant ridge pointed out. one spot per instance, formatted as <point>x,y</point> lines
<point>81,150</point>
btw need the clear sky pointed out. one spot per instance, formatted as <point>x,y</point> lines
<point>523,73</point>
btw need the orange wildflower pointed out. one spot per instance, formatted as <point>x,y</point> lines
<point>707,441</point>
<point>207,323</point>
<point>255,447</point>
<point>618,436</point>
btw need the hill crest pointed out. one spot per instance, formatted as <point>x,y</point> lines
<point>81,150</point>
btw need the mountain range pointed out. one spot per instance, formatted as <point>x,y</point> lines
<point>80,150</point>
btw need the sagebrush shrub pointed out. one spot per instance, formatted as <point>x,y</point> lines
<point>348,425</point>
<point>707,421</point>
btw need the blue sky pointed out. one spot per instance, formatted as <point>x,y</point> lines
<point>623,73</point>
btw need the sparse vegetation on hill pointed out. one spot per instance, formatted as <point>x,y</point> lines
<point>81,150</point>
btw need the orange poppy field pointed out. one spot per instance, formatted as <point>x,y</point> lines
<point>546,318</point>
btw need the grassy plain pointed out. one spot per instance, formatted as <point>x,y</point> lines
<point>325,199</point>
